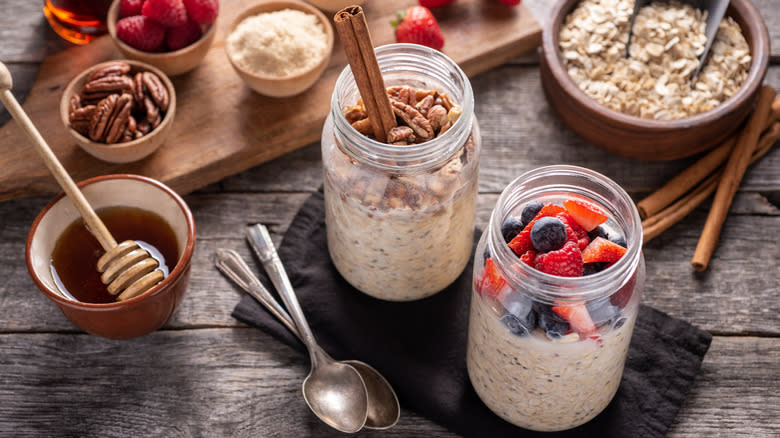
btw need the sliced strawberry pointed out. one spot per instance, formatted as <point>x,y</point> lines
<point>549,209</point>
<point>492,283</point>
<point>579,319</point>
<point>528,257</point>
<point>574,231</point>
<point>565,262</point>
<point>586,214</point>
<point>602,250</point>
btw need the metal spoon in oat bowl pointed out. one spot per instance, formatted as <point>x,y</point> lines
<point>715,10</point>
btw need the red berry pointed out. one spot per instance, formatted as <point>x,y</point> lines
<point>624,294</point>
<point>511,2</point>
<point>141,32</point>
<point>128,8</point>
<point>202,11</point>
<point>169,13</point>
<point>492,283</point>
<point>574,231</point>
<point>602,250</point>
<point>564,262</point>
<point>587,215</point>
<point>182,36</point>
<point>522,242</point>
<point>419,26</point>
<point>578,317</point>
<point>529,257</point>
<point>434,3</point>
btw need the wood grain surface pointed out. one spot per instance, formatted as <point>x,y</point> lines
<point>205,374</point>
<point>222,127</point>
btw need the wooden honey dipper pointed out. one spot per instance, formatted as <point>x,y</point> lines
<point>127,269</point>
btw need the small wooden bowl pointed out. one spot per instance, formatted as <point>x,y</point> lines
<point>121,152</point>
<point>172,63</point>
<point>646,139</point>
<point>287,85</point>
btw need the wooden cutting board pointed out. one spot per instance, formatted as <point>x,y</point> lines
<point>221,126</point>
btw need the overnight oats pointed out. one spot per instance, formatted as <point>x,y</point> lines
<point>558,277</point>
<point>400,215</point>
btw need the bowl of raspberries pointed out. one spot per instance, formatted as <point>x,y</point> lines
<point>172,35</point>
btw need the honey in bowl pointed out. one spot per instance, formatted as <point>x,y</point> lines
<point>75,255</point>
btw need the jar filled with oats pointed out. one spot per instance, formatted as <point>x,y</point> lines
<point>558,276</point>
<point>400,215</point>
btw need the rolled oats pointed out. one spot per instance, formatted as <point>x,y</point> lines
<point>654,81</point>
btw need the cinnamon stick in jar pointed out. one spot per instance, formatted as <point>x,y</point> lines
<point>351,26</point>
<point>732,176</point>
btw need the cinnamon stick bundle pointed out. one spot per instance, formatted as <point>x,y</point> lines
<point>351,26</point>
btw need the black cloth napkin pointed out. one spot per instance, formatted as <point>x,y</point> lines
<point>420,346</point>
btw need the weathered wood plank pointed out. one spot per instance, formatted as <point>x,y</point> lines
<point>241,382</point>
<point>735,296</point>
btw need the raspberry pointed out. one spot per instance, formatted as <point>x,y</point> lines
<point>574,231</point>
<point>565,262</point>
<point>202,11</point>
<point>141,32</point>
<point>184,35</point>
<point>128,8</point>
<point>169,13</point>
<point>528,257</point>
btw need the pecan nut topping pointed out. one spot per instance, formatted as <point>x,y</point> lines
<point>419,124</point>
<point>80,118</point>
<point>101,117</point>
<point>119,118</point>
<point>117,68</point>
<point>156,90</point>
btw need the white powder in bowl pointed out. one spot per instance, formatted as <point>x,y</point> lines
<point>280,43</point>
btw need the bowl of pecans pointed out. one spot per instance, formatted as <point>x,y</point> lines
<point>119,111</point>
<point>646,104</point>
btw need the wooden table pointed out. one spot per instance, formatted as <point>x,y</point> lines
<point>205,374</point>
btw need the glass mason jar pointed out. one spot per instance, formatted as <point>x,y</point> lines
<point>400,219</point>
<point>529,364</point>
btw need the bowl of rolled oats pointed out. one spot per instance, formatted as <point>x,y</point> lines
<point>643,104</point>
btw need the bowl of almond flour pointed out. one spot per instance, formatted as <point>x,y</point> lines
<point>643,104</point>
<point>280,48</point>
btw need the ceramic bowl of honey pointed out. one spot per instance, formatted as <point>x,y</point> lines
<point>62,254</point>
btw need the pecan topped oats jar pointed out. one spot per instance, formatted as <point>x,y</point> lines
<point>400,216</point>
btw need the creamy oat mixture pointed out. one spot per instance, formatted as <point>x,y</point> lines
<point>653,82</point>
<point>540,384</point>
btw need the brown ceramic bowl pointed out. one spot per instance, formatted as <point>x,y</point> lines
<point>288,85</point>
<point>136,316</point>
<point>645,139</point>
<point>121,152</point>
<point>172,63</point>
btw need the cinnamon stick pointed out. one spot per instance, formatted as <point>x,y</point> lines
<point>732,175</point>
<point>699,170</point>
<point>351,26</point>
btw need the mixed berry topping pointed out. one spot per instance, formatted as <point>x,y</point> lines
<point>568,241</point>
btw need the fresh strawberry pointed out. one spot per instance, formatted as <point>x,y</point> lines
<point>602,250</point>
<point>182,36</point>
<point>492,283</point>
<point>579,319</point>
<point>128,8</point>
<point>434,3</point>
<point>550,209</point>
<point>574,231</point>
<point>587,215</point>
<point>141,32</point>
<point>565,262</point>
<point>528,257</point>
<point>202,11</point>
<point>169,13</point>
<point>511,2</point>
<point>418,26</point>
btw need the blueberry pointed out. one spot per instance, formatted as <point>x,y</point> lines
<point>592,268</point>
<point>530,211</point>
<point>598,232</point>
<point>602,311</point>
<point>620,240</point>
<point>548,234</point>
<point>554,326</point>
<point>511,228</point>
<point>519,315</point>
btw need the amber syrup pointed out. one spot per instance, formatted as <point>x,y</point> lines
<point>78,21</point>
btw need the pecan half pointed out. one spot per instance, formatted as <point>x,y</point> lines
<point>156,90</point>
<point>354,113</point>
<point>119,117</point>
<point>131,124</point>
<point>151,109</point>
<point>437,115</point>
<point>75,102</point>
<point>363,126</point>
<point>424,105</point>
<point>402,94</point>
<point>100,88</point>
<point>116,68</point>
<point>143,127</point>
<point>102,117</point>
<point>421,126</point>
<point>138,88</point>
<point>401,133</point>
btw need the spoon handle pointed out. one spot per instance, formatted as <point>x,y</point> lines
<point>233,266</point>
<point>260,241</point>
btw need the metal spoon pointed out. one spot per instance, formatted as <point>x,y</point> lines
<point>383,407</point>
<point>716,9</point>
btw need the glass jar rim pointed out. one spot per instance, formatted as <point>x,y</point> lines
<point>552,288</point>
<point>406,158</point>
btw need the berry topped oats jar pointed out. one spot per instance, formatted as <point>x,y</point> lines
<point>558,276</point>
<point>400,216</point>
